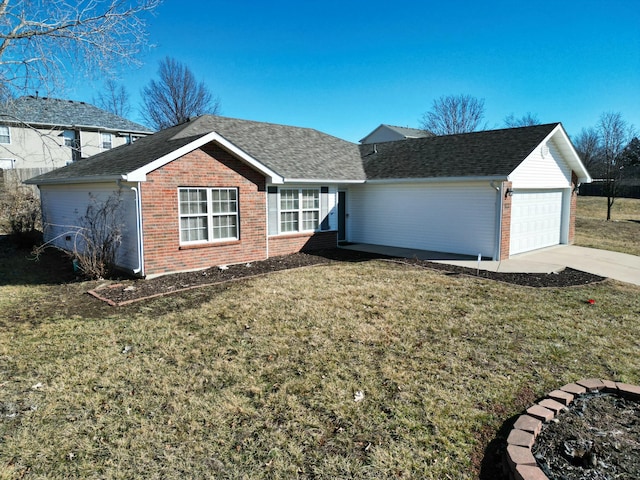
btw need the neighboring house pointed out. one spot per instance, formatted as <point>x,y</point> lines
<point>390,133</point>
<point>218,191</point>
<point>47,133</point>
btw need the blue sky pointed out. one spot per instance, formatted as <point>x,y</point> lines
<point>344,67</point>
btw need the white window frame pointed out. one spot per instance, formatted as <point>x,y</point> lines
<point>11,161</point>
<point>297,208</point>
<point>103,143</point>
<point>8,134</point>
<point>212,216</point>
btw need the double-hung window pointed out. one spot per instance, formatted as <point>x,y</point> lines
<point>299,209</point>
<point>106,141</point>
<point>208,214</point>
<point>5,134</point>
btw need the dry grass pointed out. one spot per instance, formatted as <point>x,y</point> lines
<point>257,379</point>
<point>621,234</point>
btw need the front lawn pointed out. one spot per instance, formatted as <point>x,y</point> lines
<point>348,370</point>
<point>620,234</point>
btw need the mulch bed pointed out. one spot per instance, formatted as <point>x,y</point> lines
<point>135,290</point>
<point>597,438</point>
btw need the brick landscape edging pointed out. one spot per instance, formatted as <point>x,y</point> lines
<point>520,462</point>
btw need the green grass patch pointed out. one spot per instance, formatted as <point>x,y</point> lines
<point>258,379</point>
<point>621,234</point>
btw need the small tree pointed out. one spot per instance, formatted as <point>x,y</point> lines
<point>176,96</point>
<point>114,99</point>
<point>587,145</point>
<point>454,114</point>
<point>615,134</point>
<point>527,120</point>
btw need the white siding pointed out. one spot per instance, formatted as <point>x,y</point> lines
<point>543,168</point>
<point>453,218</point>
<point>63,206</point>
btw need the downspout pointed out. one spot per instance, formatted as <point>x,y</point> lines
<point>138,202</point>
<point>498,189</point>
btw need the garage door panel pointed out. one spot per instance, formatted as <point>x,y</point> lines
<point>536,220</point>
<point>446,218</point>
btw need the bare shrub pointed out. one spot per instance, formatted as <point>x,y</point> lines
<point>96,238</point>
<point>20,215</point>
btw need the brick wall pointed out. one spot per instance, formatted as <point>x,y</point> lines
<point>287,244</point>
<point>572,208</point>
<point>505,227</point>
<point>209,166</point>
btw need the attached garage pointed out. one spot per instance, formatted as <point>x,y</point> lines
<point>498,192</point>
<point>536,220</point>
<point>419,216</point>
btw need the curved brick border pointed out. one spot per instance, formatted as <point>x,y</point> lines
<point>520,463</point>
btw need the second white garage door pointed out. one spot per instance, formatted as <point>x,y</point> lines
<point>536,220</point>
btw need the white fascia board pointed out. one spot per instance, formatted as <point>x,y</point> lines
<point>439,179</point>
<point>140,175</point>
<point>332,181</point>
<point>566,147</point>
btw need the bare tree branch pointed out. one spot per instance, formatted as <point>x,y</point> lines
<point>453,114</point>
<point>526,120</point>
<point>176,96</point>
<point>41,39</point>
<point>114,99</point>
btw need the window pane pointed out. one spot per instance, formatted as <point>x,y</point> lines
<point>193,229</point>
<point>289,222</point>
<point>310,220</point>
<point>289,199</point>
<point>225,227</point>
<point>310,199</point>
<point>193,201</point>
<point>4,135</point>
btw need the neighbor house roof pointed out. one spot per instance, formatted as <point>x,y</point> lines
<point>404,132</point>
<point>491,153</point>
<point>282,152</point>
<point>54,112</point>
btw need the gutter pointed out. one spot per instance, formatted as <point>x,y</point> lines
<point>138,201</point>
<point>438,179</point>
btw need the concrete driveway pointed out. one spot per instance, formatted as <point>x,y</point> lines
<point>619,266</point>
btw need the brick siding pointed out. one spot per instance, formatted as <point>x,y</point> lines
<point>287,244</point>
<point>572,208</point>
<point>209,166</point>
<point>505,227</point>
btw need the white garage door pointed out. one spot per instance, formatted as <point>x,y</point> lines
<point>536,220</point>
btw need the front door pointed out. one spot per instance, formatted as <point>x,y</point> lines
<point>342,216</point>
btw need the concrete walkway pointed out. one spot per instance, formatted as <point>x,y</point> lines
<point>619,266</point>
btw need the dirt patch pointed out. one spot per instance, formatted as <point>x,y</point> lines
<point>597,438</point>
<point>133,290</point>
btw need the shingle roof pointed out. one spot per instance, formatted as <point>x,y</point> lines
<point>65,113</point>
<point>488,153</point>
<point>292,152</point>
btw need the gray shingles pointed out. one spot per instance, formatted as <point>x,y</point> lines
<point>293,152</point>
<point>478,154</point>
<point>303,153</point>
<point>54,112</point>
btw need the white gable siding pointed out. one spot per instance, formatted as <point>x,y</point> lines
<point>64,205</point>
<point>543,168</point>
<point>443,217</point>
